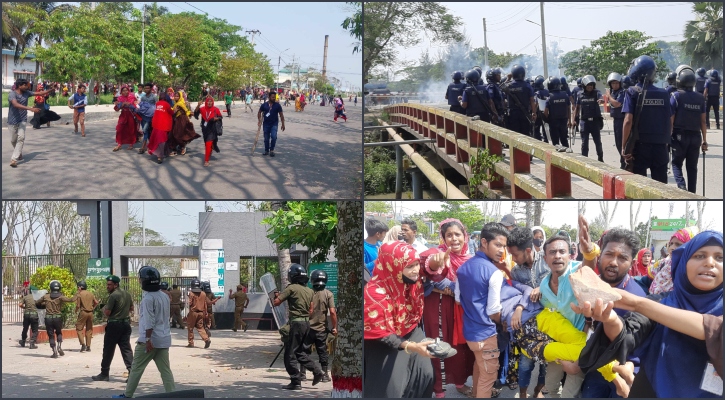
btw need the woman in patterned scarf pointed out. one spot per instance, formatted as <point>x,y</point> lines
<point>182,132</point>
<point>662,271</point>
<point>396,359</point>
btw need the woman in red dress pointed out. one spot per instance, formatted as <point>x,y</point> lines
<point>210,117</point>
<point>126,127</point>
<point>162,123</point>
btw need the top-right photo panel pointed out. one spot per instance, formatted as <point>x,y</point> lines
<point>542,100</point>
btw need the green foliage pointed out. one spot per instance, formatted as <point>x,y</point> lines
<point>482,171</point>
<point>612,52</point>
<point>703,36</point>
<point>379,174</point>
<point>42,278</point>
<point>391,24</point>
<point>312,224</point>
<point>353,24</point>
<point>382,207</point>
<point>468,213</point>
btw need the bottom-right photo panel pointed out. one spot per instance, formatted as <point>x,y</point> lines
<point>516,299</point>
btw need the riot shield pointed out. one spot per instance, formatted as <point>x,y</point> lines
<point>269,286</point>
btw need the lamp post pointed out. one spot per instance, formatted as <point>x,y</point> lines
<point>543,39</point>
<point>279,59</point>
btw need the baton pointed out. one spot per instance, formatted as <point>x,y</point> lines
<point>256,138</point>
<point>703,173</point>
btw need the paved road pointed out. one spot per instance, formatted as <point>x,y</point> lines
<point>240,362</point>
<point>713,163</point>
<point>316,159</point>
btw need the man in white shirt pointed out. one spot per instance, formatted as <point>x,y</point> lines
<point>154,333</point>
<point>409,229</point>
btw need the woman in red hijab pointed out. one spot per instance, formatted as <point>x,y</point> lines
<point>441,266</point>
<point>126,127</point>
<point>396,359</point>
<point>162,123</point>
<point>211,116</point>
<point>642,264</point>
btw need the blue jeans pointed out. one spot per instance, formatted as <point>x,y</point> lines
<point>526,367</point>
<point>270,131</point>
<point>596,387</point>
<point>146,128</point>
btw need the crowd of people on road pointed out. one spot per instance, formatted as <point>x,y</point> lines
<point>518,301</point>
<point>670,127</point>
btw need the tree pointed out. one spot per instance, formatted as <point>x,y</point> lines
<point>189,238</point>
<point>309,223</point>
<point>633,215</point>
<point>607,212</point>
<point>703,35</point>
<point>468,213</point>
<point>379,207</point>
<point>391,24</point>
<point>494,59</point>
<point>354,24</point>
<point>283,257</point>
<point>347,356</point>
<point>13,37</point>
<point>233,72</point>
<point>612,52</point>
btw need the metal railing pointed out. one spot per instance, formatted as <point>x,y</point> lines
<point>457,138</point>
<point>133,287</point>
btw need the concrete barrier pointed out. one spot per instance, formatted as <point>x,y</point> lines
<point>457,135</point>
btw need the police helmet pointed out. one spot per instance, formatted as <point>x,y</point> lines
<point>55,286</point>
<point>714,74</point>
<point>686,78</point>
<point>701,72</point>
<point>518,72</point>
<point>626,82</point>
<point>589,80</point>
<point>164,285</point>
<point>498,71</point>
<point>195,285</point>
<point>554,83</point>
<point>671,78</point>
<point>479,69</point>
<point>491,75</point>
<point>472,76</point>
<point>298,274</point>
<point>564,83</point>
<point>150,278</point>
<point>457,76</point>
<point>539,82</point>
<point>206,286</point>
<point>643,69</point>
<point>82,285</point>
<point>579,82</point>
<point>319,279</point>
<point>614,77</point>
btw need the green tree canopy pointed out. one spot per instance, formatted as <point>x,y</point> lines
<point>468,213</point>
<point>312,224</point>
<point>704,35</point>
<point>353,24</point>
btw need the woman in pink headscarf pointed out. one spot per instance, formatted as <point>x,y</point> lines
<point>440,268</point>
<point>126,127</point>
<point>662,271</point>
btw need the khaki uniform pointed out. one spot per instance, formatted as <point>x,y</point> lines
<point>195,318</point>
<point>86,303</point>
<point>322,301</point>
<point>210,322</point>
<point>176,308</point>
<point>30,320</point>
<point>53,319</point>
<point>240,302</point>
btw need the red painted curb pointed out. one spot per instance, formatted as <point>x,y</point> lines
<point>70,333</point>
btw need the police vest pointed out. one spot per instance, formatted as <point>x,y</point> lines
<point>689,110</point>
<point>616,112</point>
<point>654,122</point>
<point>475,96</point>
<point>521,90</point>
<point>495,94</point>
<point>455,90</point>
<point>588,105</point>
<point>700,84</point>
<point>558,106</point>
<point>542,94</point>
<point>671,89</point>
<point>575,93</point>
<point>713,89</point>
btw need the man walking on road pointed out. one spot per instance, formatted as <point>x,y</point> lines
<point>18,116</point>
<point>118,329</point>
<point>241,301</point>
<point>154,333</point>
<point>85,304</point>
<point>229,100</point>
<point>197,314</point>
<point>78,103</point>
<point>30,318</point>
<point>248,104</point>
<point>272,113</point>
<point>176,303</point>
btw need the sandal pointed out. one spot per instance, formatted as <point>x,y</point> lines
<point>440,349</point>
<point>159,161</point>
<point>495,392</point>
<point>117,148</point>
<point>183,151</point>
<point>141,151</point>
<point>465,390</point>
<point>130,147</point>
<point>173,153</point>
<point>513,385</point>
<point>206,164</point>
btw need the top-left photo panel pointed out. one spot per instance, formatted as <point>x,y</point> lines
<point>181,100</point>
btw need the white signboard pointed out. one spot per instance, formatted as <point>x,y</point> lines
<point>211,244</point>
<point>212,269</point>
<point>232,266</point>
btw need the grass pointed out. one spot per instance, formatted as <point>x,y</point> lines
<point>58,100</point>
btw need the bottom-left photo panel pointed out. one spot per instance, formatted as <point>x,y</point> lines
<point>182,299</point>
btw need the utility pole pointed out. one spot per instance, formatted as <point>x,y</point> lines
<point>543,41</point>
<point>324,60</point>
<point>485,46</point>
<point>143,220</point>
<point>143,43</point>
<point>253,32</point>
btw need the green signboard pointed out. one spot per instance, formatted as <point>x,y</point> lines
<point>331,269</point>
<point>98,267</point>
<point>670,224</point>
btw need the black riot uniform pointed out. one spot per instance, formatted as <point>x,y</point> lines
<point>557,110</point>
<point>454,90</point>
<point>475,97</point>
<point>700,80</point>
<point>616,112</point>
<point>540,93</point>
<point>687,123</point>
<point>519,111</point>
<point>654,125</point>
<point>713,97</point>
<point>493,78</point>
<point>671,83</point>
<point>590,117</point>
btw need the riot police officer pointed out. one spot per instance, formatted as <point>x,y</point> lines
<point>574,94</point>
<point>590,116</point>
<point>687,122</point>
<point>197,314</point>
<point>701,80</point>
<point>540,92</point>
<point>454,90</point>
<point>558,112</point>
<point>475,99</point>
<point>626,82</point>
<point>118,309</point>
<point>493,78</point>
<point>652,119</point>
<point>30,318</point>
<point>565,87</point>
<point>53,305</point>
<point>299,298</point>
<point>521,106</point>
<point>480,74</point>
<point>712,95</point>
<point>615,93</point>
<point>671,83</point>
<point>211,299</point>
<point>323,303</point>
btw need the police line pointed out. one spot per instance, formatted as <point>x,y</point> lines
<point>462,137</point>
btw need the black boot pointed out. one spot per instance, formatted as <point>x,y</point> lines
<point>303,374</point>
<point>55,352</point>
<point>292,386</point>
<point>100,377</point>
<point>318,378</point>
<point>326,378</point>
<point>22,343</point>
<point>33,346</point>
<point>60,351</point>
<point>83,348</point>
